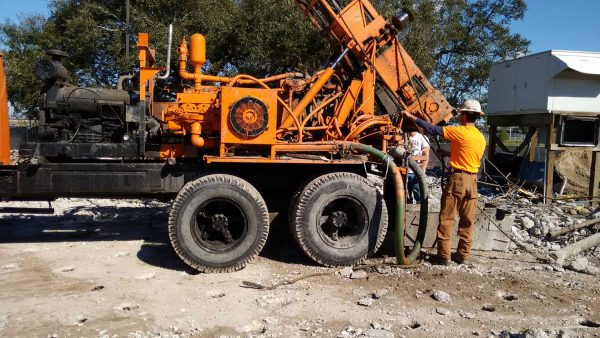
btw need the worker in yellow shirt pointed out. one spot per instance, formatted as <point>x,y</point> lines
<point>467,145</point>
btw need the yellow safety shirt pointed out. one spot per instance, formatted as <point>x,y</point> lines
<point>467,145</point>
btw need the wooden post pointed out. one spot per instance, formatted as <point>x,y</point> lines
<point>550,157</point>
<point>595,179</point>
<point>572,228</point>
<point>533,143</point>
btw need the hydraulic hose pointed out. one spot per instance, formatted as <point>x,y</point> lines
<point>400,209</point>
<point>424,210</point>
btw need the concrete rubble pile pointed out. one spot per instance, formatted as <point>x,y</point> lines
<point>536,224</point>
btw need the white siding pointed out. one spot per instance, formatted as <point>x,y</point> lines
<point>532,82</point>
<point>503,79</point>
<point>545,82</point>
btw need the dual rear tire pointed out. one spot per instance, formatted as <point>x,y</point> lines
<point>220,223</point>
<point>339,219</point>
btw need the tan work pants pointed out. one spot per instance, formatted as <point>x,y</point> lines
<point>459,195</point>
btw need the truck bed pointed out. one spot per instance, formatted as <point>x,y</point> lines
<point>94,179</point>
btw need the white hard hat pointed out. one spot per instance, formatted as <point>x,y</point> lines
<point>471,106</point>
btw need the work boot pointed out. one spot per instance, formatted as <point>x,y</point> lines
<point>461,259</point>
<point>439,260</point>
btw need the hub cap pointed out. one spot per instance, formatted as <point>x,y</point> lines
<point>343,222</point>
<point>219,225</point>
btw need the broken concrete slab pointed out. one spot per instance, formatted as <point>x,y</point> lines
<point>486,236</point>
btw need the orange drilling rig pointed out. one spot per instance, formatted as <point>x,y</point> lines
<point>232,150</point>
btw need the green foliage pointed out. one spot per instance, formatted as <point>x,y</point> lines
<point>273,37</point>
<point>26,43</point>
<point>456,41</point>
<point>453,41</point>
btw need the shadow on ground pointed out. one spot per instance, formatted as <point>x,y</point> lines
<point>148,224</point>
<point>281,246</point>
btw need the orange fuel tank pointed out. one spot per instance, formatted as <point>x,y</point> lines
<point>198,50</point>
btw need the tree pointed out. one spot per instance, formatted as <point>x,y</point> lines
<point>273,36</point>
<point>258,37</point>
<point>453,41</point>
<point>88,31</point>
<point>24,43</point>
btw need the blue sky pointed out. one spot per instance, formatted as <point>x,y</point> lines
<point>549,24</point>
<point>10,9</point>
<point>558,24</point>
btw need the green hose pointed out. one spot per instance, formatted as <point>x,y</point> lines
<point>400,205</point>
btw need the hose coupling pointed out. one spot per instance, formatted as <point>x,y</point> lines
<point>399,153</point>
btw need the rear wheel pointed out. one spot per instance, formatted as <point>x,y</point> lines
<point>218,223</point>
<point>339,219</point>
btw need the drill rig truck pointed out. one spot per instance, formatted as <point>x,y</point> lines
<point>233,150</point>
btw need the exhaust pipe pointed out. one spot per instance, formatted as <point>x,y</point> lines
<point>170,43</point>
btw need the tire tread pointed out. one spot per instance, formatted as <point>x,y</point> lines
<point>302,205</point>
<point>187,191</point>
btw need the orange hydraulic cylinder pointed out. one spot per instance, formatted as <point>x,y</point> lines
<point>349,101</point>
<point>314,90</point>
<point>4,122</point>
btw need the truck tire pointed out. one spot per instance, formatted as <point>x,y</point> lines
<point>293,204</point>
<point>291,217</point>
<point>218,223</point>
<point>339,219</point>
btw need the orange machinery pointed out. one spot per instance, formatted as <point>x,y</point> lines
<point>219,132</point>
<point>4,122</point>
<point>356,98</point>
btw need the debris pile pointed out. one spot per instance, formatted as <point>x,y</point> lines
<point>567,232</point>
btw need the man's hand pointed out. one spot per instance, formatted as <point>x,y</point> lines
<point>408,115</point>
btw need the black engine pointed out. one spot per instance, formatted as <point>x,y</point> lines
<point>71,118</point>
<point>82,115</point>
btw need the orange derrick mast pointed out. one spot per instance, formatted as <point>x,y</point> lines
<point>4,121</point>
<point>356,98</point>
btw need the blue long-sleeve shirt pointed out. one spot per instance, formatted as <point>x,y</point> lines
<point>430,128</point>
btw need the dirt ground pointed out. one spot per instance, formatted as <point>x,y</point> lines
<point>106,269</point>
<point>575,166</point>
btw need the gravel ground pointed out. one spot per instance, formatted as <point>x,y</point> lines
<point>104,268</point>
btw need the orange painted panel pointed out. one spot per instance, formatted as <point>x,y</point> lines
<point>4,122</point>
<point>248,115</point>
<point>395,67</point>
